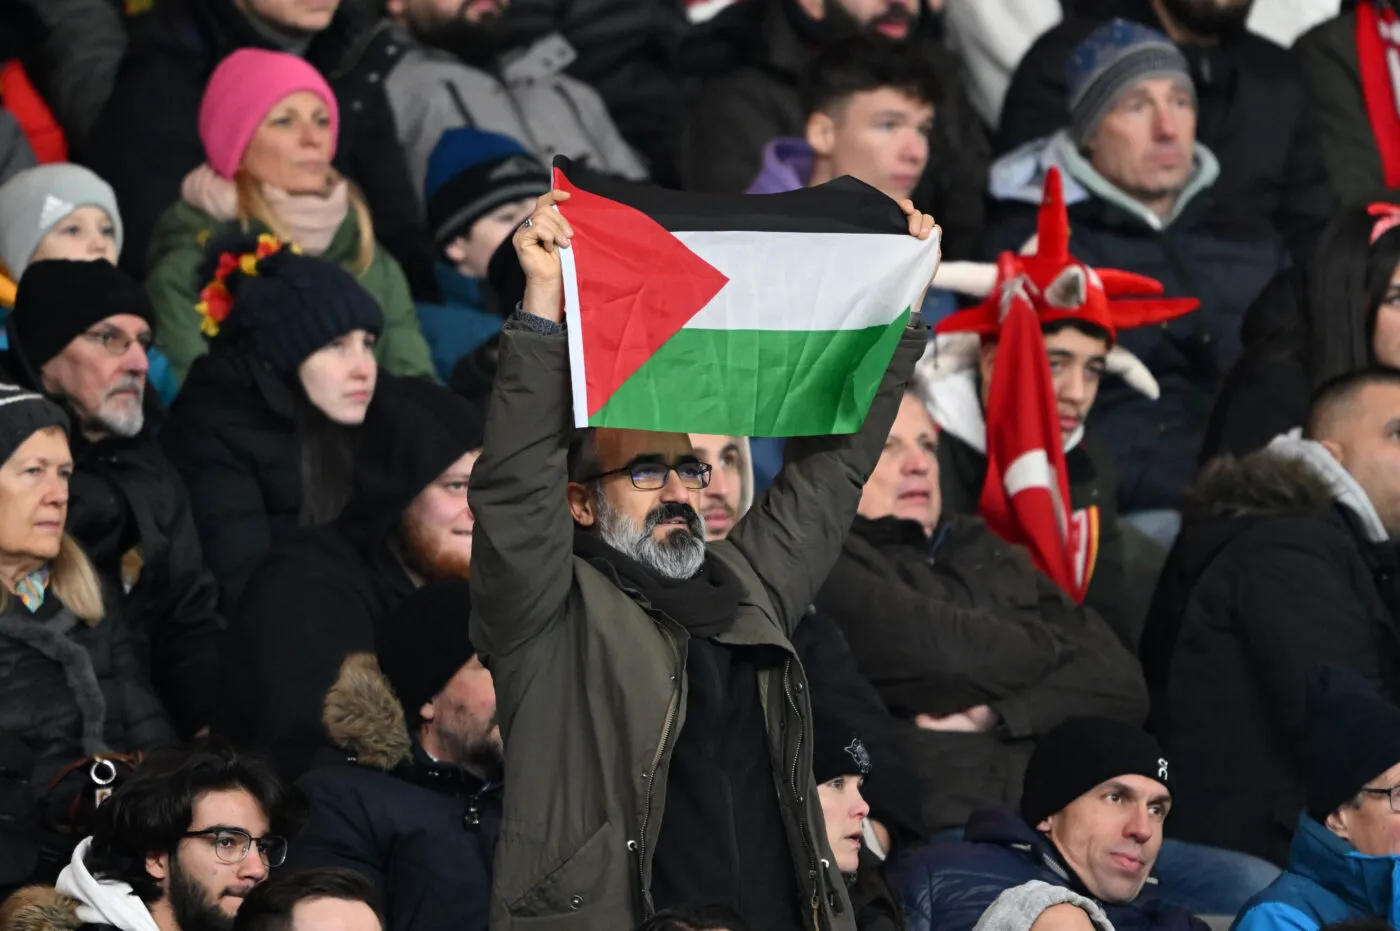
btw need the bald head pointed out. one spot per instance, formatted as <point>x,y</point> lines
<point>1357,418</point>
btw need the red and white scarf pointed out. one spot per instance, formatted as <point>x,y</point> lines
<point>1378,50</point>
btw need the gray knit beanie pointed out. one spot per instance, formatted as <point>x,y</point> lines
<point>1113,58</point>
<point>34,201</point>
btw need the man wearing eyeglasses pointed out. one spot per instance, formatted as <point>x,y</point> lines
<point>176,848</point>
<point>1346,850</point>
<point>655,718</point>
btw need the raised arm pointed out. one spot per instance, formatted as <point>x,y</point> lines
<point>523,551</point>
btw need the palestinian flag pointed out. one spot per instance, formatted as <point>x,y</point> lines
<point>749,315</point>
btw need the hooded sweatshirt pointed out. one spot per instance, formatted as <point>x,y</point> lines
<point>321,592</point>
<point>102,901</point>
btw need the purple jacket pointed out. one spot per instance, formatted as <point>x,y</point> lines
<point>787,166</point>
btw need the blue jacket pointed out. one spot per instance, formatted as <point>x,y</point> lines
<point>459,324</point>
<point>947,887</point>
<point>1326,881</point>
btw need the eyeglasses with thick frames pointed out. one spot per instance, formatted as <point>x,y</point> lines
<point>232,845</point>
<point>652,476</point>
<point>116,342</point>
<point>1390,794</point>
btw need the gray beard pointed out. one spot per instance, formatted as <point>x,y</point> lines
<point>679,556</point>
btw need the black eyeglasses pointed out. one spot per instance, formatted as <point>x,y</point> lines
<point>1388,793</point>
<point>116,342</point>
<point>652,476</point>
<point>232,845</point>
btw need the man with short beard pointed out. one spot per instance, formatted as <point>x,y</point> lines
<point>442,64</point>
<point>322,593</point>
<point>1253,106</point>
<point>655,716</point>
<point>79,333</point>
<point>416,804</point>
<point>177,847</point>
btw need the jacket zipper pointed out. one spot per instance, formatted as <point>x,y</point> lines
<point>459,103</point>
<point>671,709</point>
<point>813,866</point>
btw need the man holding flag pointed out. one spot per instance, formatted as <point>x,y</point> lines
<point>655,718</point>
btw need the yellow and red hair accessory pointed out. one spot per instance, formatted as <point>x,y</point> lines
<point>215,299</point>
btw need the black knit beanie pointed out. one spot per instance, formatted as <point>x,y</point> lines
<point>294,306</point>
<point>836,748</point>
<point>59,299</point>
<point>1081,754</point>
<point>22,414</point>
<point>1351,736</point>
<point>424,641</point>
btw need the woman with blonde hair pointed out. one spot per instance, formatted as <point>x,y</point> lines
<point>268,122</point>
<point>71,684</point>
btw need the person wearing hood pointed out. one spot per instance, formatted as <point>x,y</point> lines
<point>63,211</point>
<point>177,847</point>
<point>1088,826</point>
<point>969,645</point>
<point>1251,99</point>
<point>1345,857</point>
<point>270,125</point>
<point>736,116</point>
<point>79,333</point>
<point>263,432</point>
<point>416,805</point>
<point>1287,559</point>
<point>1138,190</point>
<point>480,187</point>
<point>730,492</point>
<point>72,683</point>
<point>322,592</point>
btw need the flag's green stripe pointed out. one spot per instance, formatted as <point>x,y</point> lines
<point>756,382</point>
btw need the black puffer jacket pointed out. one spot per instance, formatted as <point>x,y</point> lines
<point>70,689</point>
<point>232,438</point>
<point>1269,577</point>
<point>423,832</point>
<point>147,138</point>
<point>319,594</point>
<point>941,625</point>
<point>1254,114</point>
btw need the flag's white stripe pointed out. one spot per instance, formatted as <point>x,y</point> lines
<point>811,281</point>
<point>578,376</point>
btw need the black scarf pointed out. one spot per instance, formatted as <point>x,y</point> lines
<point>704,603</point>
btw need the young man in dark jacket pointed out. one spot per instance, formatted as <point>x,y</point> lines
<point>322,593</point>
<point>1089,825</point>
<point>655,717</point>
<point>1287,559</point>
<point>418,807</point>
<point>1139,191</point>
<point>79,333</point>
<point>1252,103</point>
<point>963,638</point>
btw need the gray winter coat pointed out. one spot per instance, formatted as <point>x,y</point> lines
<point>531,100</point>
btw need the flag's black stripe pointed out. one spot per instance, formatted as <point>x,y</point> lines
<point>841,206</point>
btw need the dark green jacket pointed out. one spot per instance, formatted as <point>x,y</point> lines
<point>590,679</point>
<point>178,251</point>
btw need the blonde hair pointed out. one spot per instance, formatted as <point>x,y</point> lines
<point>252,205</point>
<point>73,580</point>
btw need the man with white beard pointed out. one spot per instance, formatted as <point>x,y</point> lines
<point>79,333</point>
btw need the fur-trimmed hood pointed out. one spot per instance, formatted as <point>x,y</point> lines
<point>364,717</point>
<point>1290,476</point>
<point>39,908</point>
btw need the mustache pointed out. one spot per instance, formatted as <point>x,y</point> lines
<point>128,383</point>
<point>671,510</point>
<point>894,14</point>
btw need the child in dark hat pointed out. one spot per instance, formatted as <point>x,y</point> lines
<point>263,432</point>
<point>480,187</point>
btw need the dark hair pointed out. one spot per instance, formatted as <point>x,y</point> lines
<point>269,906</point>
<point>1092,330</point>
<point>865,63</point>
<point>153,809</point>
<point>1333,398</point>
<point>583,454</point>
<point>1347,280</point>
<point>326,450</point>
<point>695,918</point>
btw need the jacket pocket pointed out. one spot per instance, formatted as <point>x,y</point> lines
<point>580,880</point>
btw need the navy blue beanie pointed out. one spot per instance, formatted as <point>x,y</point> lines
<point>470,174</point>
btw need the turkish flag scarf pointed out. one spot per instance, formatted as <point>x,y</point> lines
<point>1025,498</point>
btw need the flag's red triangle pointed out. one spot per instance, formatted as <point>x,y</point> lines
<point>637,285</point>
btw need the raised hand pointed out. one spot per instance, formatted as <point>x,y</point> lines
<point>537,242</point>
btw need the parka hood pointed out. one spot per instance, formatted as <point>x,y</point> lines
<point>363,716</point>
<point>39,908</point>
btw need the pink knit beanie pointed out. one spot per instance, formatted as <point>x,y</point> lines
<point>242,90</point>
